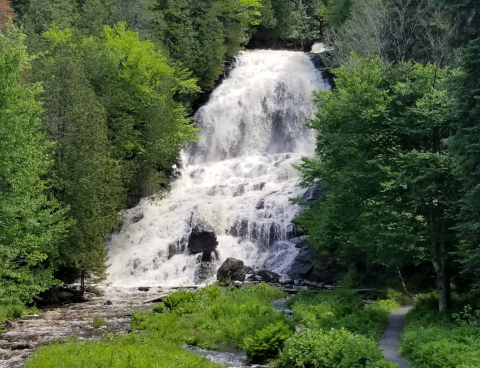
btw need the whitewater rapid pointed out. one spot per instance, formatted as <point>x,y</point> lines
<point>238,178</point>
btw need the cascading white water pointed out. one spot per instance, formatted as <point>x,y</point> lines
<point>237,178</point>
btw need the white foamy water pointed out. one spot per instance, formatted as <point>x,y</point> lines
<point>238,177</point>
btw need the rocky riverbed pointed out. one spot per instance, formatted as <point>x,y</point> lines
<point>111,313</point>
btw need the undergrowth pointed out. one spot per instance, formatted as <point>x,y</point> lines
<point>331,349</point>
<point>11,312</point>
<point>433,340</point>
<point>131,351</point>
<point>213,318</point>
<point>343,308</point>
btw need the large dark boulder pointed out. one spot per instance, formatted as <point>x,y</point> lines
<point>302,266</point>
<point>232,269</point>
<point>202,239</point>
<point>268,276</point>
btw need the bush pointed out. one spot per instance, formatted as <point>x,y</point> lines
<point>342,309</point>
<point>266,344</point>
<point>9,312</point>
<point>331,349</point>
<point>185,302</point>
<point>98,322</point>
<point>139,351</point>
<point>215,320</point>
<point>433,340</point>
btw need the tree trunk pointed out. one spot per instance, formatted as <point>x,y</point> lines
<point>404,286</point>
<point>443,286</point>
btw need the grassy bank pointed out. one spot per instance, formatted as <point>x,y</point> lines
<point>432,340</point>
<point>344,308</point>
<point>212,318</point>
<point>12,312</point>
<point>131,351</point>
<point>330,330</point>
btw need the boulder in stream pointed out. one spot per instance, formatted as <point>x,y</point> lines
<point>267,276</point>
<point>232,269</point>
<point>202,239</point>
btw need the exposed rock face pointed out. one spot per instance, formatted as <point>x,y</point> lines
<point>202,239</point>
<point>294,231</point>
<point>177,247</point>
<point>300,242</point>
<point>205,271</point>
<point>240,190</point>
<point>267,276</point>
<point>302,266</point>
<point>232,269</point>
<point>313,193</point>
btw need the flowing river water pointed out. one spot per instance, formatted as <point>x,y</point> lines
<point>238,178</point>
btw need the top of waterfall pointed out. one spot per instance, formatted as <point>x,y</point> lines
<point>260,108</point>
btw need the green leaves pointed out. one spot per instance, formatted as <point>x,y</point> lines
<point>32,225</point>
<point>382,160</point>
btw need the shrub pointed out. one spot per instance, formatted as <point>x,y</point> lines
<point>215,320</point>
<point>98,322</point>
<point>266,344</point>
<point>342,308</point>
<point>331,349</point>
<point>9,312</point>
<point>433,340</point>
<point>185,302</point>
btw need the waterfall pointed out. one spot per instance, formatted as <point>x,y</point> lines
<point>237,178</point>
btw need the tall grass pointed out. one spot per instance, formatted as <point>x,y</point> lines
<point>11,312</point>
<point>131,351</point>
<point>214,319</point>
<point>343,308</point>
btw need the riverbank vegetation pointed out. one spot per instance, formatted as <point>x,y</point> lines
<point>229,318</point>
<point>397,160</point>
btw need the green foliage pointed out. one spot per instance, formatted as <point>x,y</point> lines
<point>185,302</point>
<point>11,311</point>
<point>214,321</point>
<point>437,341</point>
<point>98,322</point>
<point>342,309</point>
<point>32,225</point>
<point>383,163</point>
<point>466,152</point>
<point>331,349</point>
<point>140,351</point>
<point>267,343</point>
<point>139,91</point>
<point>297,22</point>
<point>85,177</point>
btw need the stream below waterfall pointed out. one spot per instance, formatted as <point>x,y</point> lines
<point>238,178</point>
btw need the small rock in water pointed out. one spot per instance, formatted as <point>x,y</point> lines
<point>143,289</point>
<point>268,276</point>
<point>21,347</point>
<point>108,302</point>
